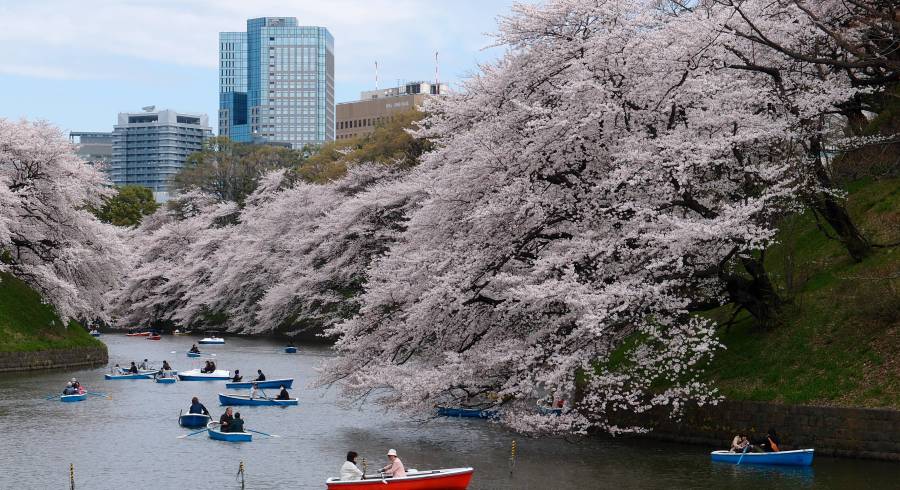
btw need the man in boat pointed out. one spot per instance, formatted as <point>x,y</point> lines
<point>194,349</point>
<point>143,365</point>
<point>254,390</point>
<point>69,389</point>
<point>350,471</point>
<point>740,444</point>
<point>197,407</point>
<point>165,366</point>
<point>212,366</point>
<point>133,369</point>
<point>283,394</point>
<point>208,367</point>
<point>395,469</point>
<point>237,424</point>
<point>260,376</point>
<point>226,419</point>
<point>76,384</point>
<point>237,376</point>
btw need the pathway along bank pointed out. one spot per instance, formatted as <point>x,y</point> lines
<point>54,358</point>
<point>833,431</point>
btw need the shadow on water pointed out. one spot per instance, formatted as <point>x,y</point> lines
<point>131,440</point>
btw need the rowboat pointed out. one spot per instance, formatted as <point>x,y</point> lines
<point>211,340</point>
<point>290,350</point>
<point>80,397</point>
<point>193,420</point>
<point>154,337</point>
<point>95,333</point>
<point>449,479</point>
<point>138,334</point>
<point>799,457</point>
<point>246,400</point>
<point>269,383</point>
<point>466,412</point>
<point>179,332</point>
<point>194,354</point>
<point>230,436</point>
<point>196,375</point>
<point>139,375</point>
<point>166,381</point>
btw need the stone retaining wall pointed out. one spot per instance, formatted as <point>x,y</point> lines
<point>53,359</point>
<point>831,431</point>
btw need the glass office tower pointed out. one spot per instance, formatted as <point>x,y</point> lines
<point>150,147</point>
<point>276,83</point>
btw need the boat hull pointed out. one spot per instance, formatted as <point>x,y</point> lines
<point>269,383</point>
<point>194,354</point>
<point>256,402</point>
<point>95,334</point>
<point>466,413</point>
<point>800,457</point>
<point>73,398</point>
<point>139,334</point>
<point>154,337</point>
<point>193,420</point>
<point>129,376</point>
<point>451,479</point>
<point>214,340</point>
<point>196,375</point>
<point>290,350</point>
<point>166,381</point>
<point>230,436</point>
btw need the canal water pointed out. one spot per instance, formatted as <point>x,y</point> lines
<point>130,441</point>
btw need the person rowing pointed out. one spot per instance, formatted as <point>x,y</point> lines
<point>197,407</point>
<point>69,389</point>
<point>237,376</point>
<point>283,394</point>
<point>133,369</point>
<point>76,385</point>
<point>144,366</point>
<point>395,468</point>
<point>166,366</point>
<point>254,390</point>
<point>260,376</point>
<point>194,349</point>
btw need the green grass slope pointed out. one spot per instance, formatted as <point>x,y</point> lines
<point>838,342</point>
<point>27,324</point>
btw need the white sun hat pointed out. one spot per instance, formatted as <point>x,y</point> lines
<point>392,452</point>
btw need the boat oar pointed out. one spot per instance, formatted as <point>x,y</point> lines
<point>191,434</point>
<point>262,433</point>
<point>743,453</point>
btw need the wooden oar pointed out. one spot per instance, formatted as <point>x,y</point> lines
<point>261,433</point>
<point>191,434</point>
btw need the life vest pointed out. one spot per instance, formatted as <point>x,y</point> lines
<point>773,445</point>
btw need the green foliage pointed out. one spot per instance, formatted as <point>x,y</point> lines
<point>231,171</point>
<point>128,207</point>
<point>389,144</point>
<point>27,324</point>
<point>837,343</point>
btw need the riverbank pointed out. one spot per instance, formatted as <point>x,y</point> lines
<point>32,336</point>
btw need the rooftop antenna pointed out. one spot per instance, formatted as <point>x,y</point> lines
<point>437,78</point>
<point>149,108</point>
<point>376,74</point>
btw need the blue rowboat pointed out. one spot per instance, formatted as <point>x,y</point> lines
<point>799,457</point>
<point>269,383</point>
<point>194,354</point>
<point>73,398</point>
<point>246,400</point>
<point>144,375</point>
<point>290,350</point>
<point>193,420</point>
<point>166,381</point>
<point>196,375</point>
<point>466,412</point>
<point>95,333</point>
<point>230,436</point>
<point>211,340</point>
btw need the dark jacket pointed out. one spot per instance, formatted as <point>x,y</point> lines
<point>262,377</point>
<point>236,425</point>
<point>198,408</point>
<point>133,369</point>
<point>226,421</point>
<point>237,378</point>
<point>283,395</point>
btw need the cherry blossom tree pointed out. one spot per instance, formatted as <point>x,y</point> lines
<point>48,237</point>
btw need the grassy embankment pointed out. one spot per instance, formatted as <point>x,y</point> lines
<point>838,342</point>
<point>27,324</point>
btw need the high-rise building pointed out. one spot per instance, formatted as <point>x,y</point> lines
<point>150,147</point>
<point>359,117</point>
<point>93,147</point>
<point>276,83</point>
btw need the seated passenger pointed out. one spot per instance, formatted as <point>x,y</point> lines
<point>69,389</point>
<point>133,369</point>
<point>225,420</point>
<point>144,365</point>
<point>237,376</point>
<point>197,407</point>
<point>194,349</point>
<point>261,376</point>
<point>165,366</point>
<point>236,425</point>
<point>350,471</point>
<point>283,394</point>
<point>395,468</point>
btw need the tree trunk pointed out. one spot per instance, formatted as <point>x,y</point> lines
<point>756,293</point>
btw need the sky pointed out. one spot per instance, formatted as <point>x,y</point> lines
<point>79,63</point>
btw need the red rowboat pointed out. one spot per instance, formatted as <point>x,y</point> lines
<point>449,479</point>
<point>154,337</point>
<point>139,334</point>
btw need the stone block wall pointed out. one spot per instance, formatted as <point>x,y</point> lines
<point>53,359</point>
<point>831,431</point>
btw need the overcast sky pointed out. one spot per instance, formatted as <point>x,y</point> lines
<point>78,63</point>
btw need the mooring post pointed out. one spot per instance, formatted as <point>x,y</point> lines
<point>241,473</point>
<point>71,476</point>
<point>512,457</point>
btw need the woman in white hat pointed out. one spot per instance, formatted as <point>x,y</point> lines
<point>395,469</point>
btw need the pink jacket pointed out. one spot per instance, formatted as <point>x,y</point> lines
<point>395,469</point>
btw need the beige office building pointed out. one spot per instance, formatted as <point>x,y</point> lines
<point>360,117</point>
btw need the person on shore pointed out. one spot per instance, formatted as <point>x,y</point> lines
<point>283,394</point>
<point>237,376</point>
<point>166,366</point>
<point>197,407</point>
<point>237,424</point>
<point>395,469</point>
<point>133,369</point>
<point>350,471</point>
<point>740,444</point>
<point>225,420</point>
<point>194,349</point>
<point>260,376</point>
<point>144,365</point>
